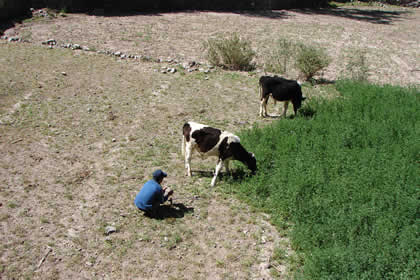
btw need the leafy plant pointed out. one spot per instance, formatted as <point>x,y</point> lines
<point>310,60</point>
<point>231,52</point>
<point>280,57</point>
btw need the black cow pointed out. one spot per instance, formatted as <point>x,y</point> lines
<point>281,90</point>
<point>208,141</point>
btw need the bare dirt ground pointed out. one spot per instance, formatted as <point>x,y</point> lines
<point>80,132</point>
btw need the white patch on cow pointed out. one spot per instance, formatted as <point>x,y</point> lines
<point>232,138</point>
<point>196,126</point>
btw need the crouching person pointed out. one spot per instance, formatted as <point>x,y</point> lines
<point>151,195</point>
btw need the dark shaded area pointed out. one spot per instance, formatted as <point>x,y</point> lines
<point>176,210</point>
<point>372,16</point>
<point>307,112</point>
<point>13,9</point>
<point>10,23</point>
<point>273,14</point>
<point>6,25</point>
<point>235,175</point>
<point>111,6</point>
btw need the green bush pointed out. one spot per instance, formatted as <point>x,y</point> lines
<point>232,52</point>
<point>347,179</point>
<point>311,60</point>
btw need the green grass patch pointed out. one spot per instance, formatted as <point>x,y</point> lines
<point>347,178</point>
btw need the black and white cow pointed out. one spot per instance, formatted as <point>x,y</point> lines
<point>209,141</point>
<point>281,90</point>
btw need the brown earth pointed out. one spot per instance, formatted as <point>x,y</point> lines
<point>80,132</point>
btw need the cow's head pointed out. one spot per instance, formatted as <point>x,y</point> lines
<point>298,103</point>
<point>252,163</point>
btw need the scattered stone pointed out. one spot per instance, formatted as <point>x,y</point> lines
<point>85,48</point>
<point>114,140</point>
<point>14,39</point>
<point>117,53</point>
<point>64,73</point>
<point>76,47</point>
<point>110,229</point>
<point>263,240</point>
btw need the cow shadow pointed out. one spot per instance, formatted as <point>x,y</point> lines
<point>234,174</point>
<point>175,211</point>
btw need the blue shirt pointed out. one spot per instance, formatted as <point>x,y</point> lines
<point>151,193</point>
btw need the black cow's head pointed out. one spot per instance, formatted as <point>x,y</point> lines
<point>297,103</point>
<point>252,163</point>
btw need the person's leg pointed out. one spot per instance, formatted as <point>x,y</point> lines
<point>154,210</point>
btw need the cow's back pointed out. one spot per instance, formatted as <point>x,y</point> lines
<point>287,90</point>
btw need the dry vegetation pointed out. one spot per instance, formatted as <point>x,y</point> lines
<point>80,132</point>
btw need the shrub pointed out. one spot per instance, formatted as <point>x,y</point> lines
<point>232,52</point>
<point>356,67</point>
<point>280,57</point>
<point>310,60</point>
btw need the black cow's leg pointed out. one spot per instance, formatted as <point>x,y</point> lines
<point>285,106</point>
<point>263,106</point>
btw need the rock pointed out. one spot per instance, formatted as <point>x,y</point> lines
<point>117,53</point>
<point>110,229</point>
<point>51,42</point>
<point>14,39</point>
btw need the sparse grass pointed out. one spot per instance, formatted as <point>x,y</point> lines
<point>357,66</point>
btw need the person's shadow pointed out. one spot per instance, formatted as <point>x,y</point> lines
<point>176,210</point>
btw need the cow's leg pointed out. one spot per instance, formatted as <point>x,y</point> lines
<point>188,151</point>
<point>227,165</point>
<point>263,107</point>
<point>216,172</point>
<point>285,105</point>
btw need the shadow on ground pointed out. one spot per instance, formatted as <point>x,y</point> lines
<point>176,210</point>
<point>373,16</point>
